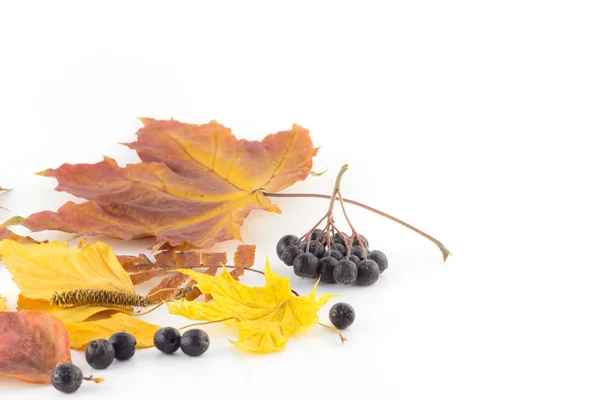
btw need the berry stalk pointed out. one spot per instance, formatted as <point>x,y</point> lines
<point>336,196</point>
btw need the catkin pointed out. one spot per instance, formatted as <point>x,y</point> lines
<point>98,297</point>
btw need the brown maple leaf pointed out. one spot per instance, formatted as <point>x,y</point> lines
<point>194,187</point>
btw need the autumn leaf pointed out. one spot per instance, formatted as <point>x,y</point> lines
<point>266,317</point>
<point>3,306</point>
<point>82,333</point>
<point>32,343</point>
<point>6,234</point>
<point>65,314</point>
<point>167,287</point>
<point>194,187</point>
<point>41,270</point>
<point>135,264</point>
<point>142,269</point>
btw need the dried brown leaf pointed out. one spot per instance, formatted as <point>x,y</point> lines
<point>136,263</point>
<point>210,259</point>
<point>244,255</point>
<point>178,259</point>
<point>172,283</point>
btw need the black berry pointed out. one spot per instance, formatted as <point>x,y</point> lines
<point>341,248</point>
<point>194,342</point>
<point>315,234</point>
<point>335,254</point>
<point>345,272</point>
<point>363,238</point>
<point>66,377</point>
<point>124,344</point>
<point>289,254</point>
<point>167,340</point>
<point>326,266</point>
<point>337,238</point>
<point>317,249</point>
<point>368,273</point>
<point>358,252</point>
<point>354,259</point>
<point>380,259</point>
<point>285,242</point>
<point>306,265</point>
<point>342,315</point>
<point>99,354</point>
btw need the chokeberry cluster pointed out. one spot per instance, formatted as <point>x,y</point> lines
<point>338,258</point>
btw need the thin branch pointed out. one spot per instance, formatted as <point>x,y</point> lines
<point>445,252</point>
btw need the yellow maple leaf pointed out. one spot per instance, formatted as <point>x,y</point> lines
<point>266,317</point>
<point>3,306</point>
<point>82,333</point>
<point>45,269</point>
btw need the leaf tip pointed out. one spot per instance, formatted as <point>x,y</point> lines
<point>314,173</point>
<point>47,173</point>
<point>16,220</point>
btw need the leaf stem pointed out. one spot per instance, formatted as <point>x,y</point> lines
<point>244,268</point>
<point>139,314</point>
<point>445,252</point>
<point>204,323</point>
<point>91,378</point>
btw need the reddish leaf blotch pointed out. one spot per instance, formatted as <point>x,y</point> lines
<point>32,343</point>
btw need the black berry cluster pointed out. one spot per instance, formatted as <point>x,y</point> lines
<point>337,258</point>
<point>101,353</point>
<point>193,343</point>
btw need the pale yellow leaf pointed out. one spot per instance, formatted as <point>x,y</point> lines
<point>42,269</point>
<point>82,333</point>
<point>3,306</point>
<point>266,317</point>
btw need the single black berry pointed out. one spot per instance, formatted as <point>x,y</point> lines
<point>99,354</point>
<point>124,344</point>
<point>194,342</point>
<point>368,273</point>
<point>335,254</point>
<point>345,272</point>
<point>380,259</point>
<point>285,242</point>
<point>290,253</point>
<point>354,259</point>
<point>306,265</point>
<point>167,340</point>
<point>342,315</point>
<point>363,238</point>
<point>326,266</point>
<point>315,234</point>
<point>317,249</point>
<point>341,248</point>
<point>337,238</point>
<point>358,252</point>
<point>66,377</point>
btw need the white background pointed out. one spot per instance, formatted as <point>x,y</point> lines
<point>472,120</point>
